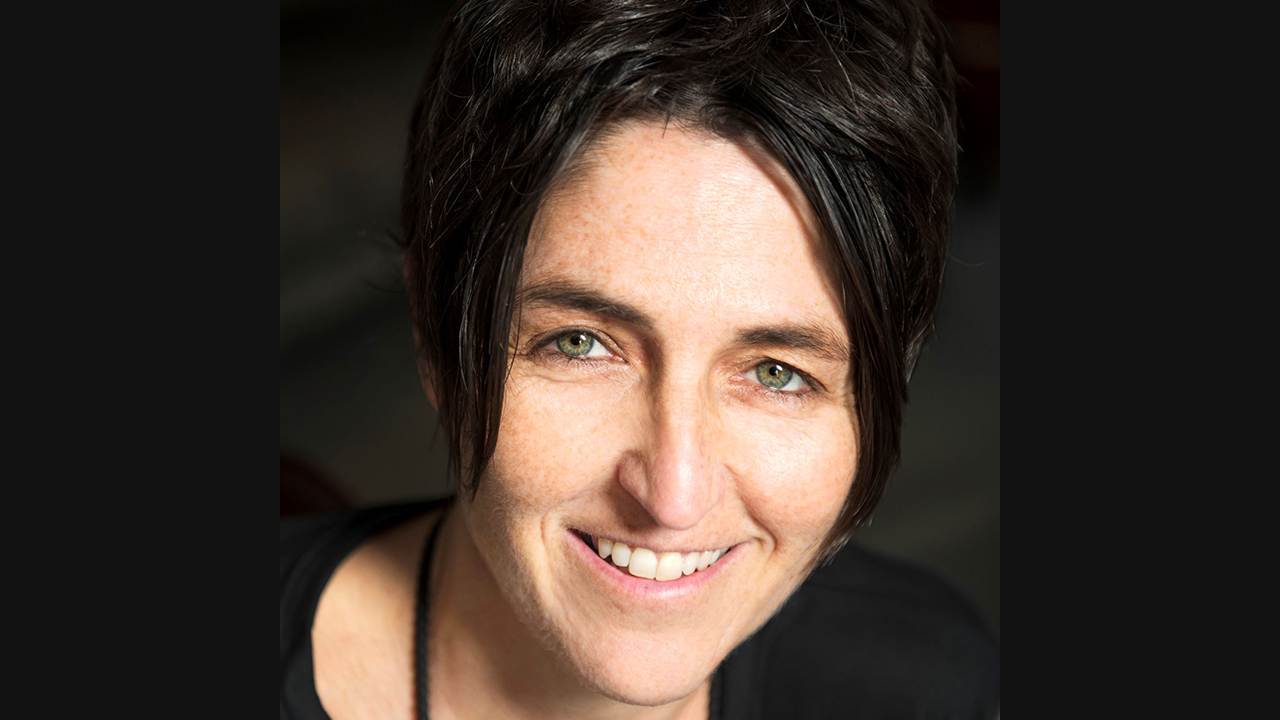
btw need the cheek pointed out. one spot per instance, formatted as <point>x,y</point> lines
<point>794,476</point>
<point>557,441</point>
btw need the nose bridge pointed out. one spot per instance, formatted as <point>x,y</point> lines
<point>679,480</point>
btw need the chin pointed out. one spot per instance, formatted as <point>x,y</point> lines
<point>639,669</point>
<point>638,683</point>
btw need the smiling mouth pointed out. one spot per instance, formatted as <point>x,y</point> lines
<point>645,563</point>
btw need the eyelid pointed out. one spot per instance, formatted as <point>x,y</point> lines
<point>810,385</point>
<point>545,342</point>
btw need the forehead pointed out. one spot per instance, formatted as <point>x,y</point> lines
<point>682,221</point>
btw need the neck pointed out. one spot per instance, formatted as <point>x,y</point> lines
<point>484,662</point>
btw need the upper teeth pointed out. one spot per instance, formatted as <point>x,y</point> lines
<point>645,563</point>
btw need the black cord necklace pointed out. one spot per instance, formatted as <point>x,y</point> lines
<point>420,620</point>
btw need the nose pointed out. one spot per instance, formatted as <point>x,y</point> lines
<point>674,476</point>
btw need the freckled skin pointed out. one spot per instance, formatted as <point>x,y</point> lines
<point>671,439</point>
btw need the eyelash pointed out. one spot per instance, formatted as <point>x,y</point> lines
<point>545,348</point>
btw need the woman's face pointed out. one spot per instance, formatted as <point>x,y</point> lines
<point>681,384</point>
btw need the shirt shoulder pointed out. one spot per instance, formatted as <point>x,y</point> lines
<point>869,635</point>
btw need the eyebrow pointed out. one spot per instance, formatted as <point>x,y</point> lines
<point>811,338</point>
<point>576,297</point>
<point>814,339</point>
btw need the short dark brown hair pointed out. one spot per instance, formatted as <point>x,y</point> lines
<point>855,99</point>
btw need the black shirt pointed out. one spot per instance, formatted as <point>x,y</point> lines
<point>866,636</point>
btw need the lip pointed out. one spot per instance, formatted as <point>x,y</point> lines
<point>685,589</point>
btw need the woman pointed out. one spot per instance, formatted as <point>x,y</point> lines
<point>670,266</point>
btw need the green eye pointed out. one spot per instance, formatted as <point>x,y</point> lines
<point>774,375</point>
<point>577,344</point>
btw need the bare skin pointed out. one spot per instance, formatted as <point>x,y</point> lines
<point>362,637</point>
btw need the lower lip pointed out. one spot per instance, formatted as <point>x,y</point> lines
<point>686,586</point>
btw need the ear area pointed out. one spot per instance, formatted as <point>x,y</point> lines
<point>425,376</point>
